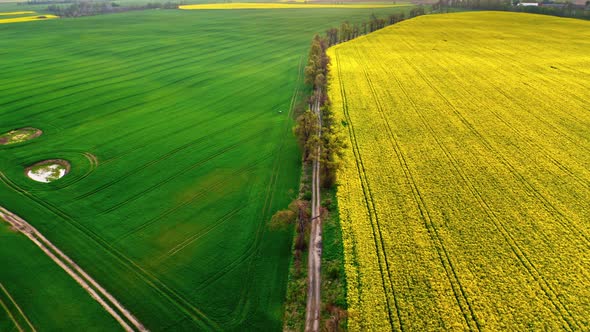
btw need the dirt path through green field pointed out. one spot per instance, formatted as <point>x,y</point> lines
<point>96,291</point>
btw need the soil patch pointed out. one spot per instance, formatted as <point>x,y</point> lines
<point>19,135</point>
<point>48,170</point>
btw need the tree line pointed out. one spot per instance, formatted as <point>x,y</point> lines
<point>544,7</point>
<point>90,8</point>
<point>347,31</point>
<point>332,142</point>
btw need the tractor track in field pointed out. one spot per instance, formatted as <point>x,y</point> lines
<point>21,314</point>
<point>160,158</point>
<point>188,241</point>
<point>96,291</point>
<point>445,258</point>
<point>394,319</point>
<point>253,248</point>
<point>198,195</point>
<point>114,80</point>
<point>183,171</point>
<point>546,287</point>
<point>549,207</point>
<point>517,251</point>
<point>111,78</point>
<point>527,139</point>
<point>270,190</point>
<point>178,130</point>
<point>178,300</point>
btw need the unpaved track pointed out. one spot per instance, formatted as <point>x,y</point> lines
<point>96,291</point>
<point>314,302</point>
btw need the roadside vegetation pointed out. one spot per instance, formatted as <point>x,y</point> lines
<point>332,145</point>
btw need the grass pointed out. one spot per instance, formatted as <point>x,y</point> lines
<point>334,314</point>
<point>465,199</point>
<point>179,154</point>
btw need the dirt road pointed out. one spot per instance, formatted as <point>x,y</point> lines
<point>314,302</point>
<point>96,291</point>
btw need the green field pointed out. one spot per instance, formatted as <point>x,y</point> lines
<point>176,124</point>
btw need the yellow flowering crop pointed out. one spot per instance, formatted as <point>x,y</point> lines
<point>27,19</point>
<point>465,193</point>
<point>281,6</point>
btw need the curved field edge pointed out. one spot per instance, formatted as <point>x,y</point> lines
<point>464,196</point>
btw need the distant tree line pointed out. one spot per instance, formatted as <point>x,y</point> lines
<point>544,7</point>
<point>44,2</point>
<point>347,31</point>
<point>90,8</point>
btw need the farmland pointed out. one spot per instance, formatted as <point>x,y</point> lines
<point>177,129</point>
<point>283,6</point>
<point>465,192</point>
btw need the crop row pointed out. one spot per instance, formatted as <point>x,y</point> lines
<point>464,196</point>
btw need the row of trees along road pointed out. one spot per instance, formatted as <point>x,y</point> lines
<point>348,31</point>
<point>332,143</point>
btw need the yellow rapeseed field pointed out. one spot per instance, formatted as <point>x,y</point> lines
<point>27,19</point>
<point>15,13</point>
<point>465,194</point>
<point>282,6</point>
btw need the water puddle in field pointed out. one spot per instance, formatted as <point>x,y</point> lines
<point>48,170</point>
<point>19,135</point>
